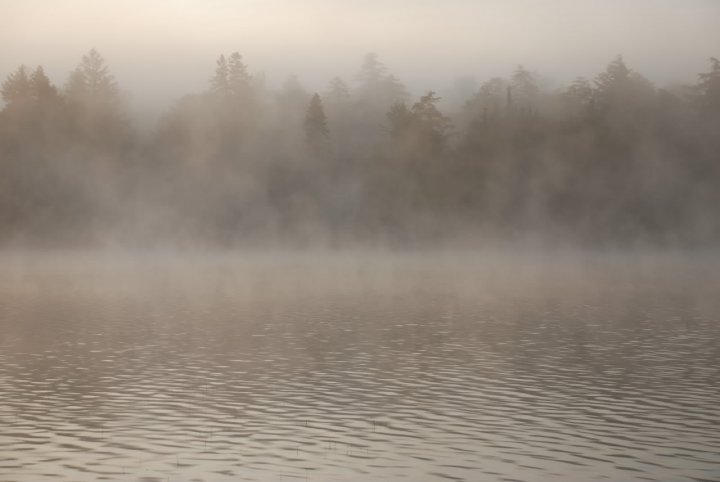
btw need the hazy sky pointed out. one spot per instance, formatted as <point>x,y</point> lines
<point>161,49</point>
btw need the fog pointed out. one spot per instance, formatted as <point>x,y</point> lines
<point>161,50</point>
<point>359,124</point>
<point>342,240</point>
<point>334,367</point>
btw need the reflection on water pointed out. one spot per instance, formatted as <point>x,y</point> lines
<point>337,369</point>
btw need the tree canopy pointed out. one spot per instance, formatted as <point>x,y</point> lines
<point>609,160</point>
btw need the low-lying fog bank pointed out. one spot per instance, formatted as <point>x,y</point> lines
<point>476,273</point>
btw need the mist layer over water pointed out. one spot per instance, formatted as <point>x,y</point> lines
<point>343,368</point>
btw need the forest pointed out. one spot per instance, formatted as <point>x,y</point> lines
<point>610,161</point>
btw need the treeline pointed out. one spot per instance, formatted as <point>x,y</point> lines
<point>607,161</point>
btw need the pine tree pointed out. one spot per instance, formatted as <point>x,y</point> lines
<point>30,97</point>
<point>432,124</point>
<point>92,85</point>
<point>97,75</point>
<point>580,90</point>
<point>616,72</point>
<point>76,86</point>
<point>93,101</point>
<point>238,79</point>
<point>400,119</point>
<point>17,88</point>
<point>219,84</point>
<point>488,102</point>
<point>422,128</point>
<point>524,90</point>
<point>338,92</point>
<point>709,88</point>
<point>612,84</point>
<point>316,131</point>
<point>41,88</point>
<point>372,71</point>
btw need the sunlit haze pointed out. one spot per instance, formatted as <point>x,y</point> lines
<point>159,50</point>
<point>359,240</point>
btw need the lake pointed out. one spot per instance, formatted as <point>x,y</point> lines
<point>359,367</point>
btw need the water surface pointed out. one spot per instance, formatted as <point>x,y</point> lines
<point>357,368</point>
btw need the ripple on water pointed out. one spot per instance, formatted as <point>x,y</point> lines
<point>355,382</point>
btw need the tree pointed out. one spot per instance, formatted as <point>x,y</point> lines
<point>579,95</point>
<point>219,84</point>
<point>33,99</point>
<point>233,101</point>
<point>92,89</point>
<point>98,74</point>
<point>709,88</point>
<point>76,86</point>
<point>91,83</point>
<point>615,76</point>
<point>93,109</point>
<point>376,92</point>
<point>619,88</point>
<point>48,106</point>
<point>338,105</point>
<point>41,88</point>
<point>378,89</point>
<point>433,125</point>
<point>488,101</point>
<point>238,80</point>
<point>316,131</point>
<point>422,128</point>
<point>338,93</point>
<point>232,105</point>
<point>372,71</point>
<point>401,121</point>
<point>17,88</point>
<point>625,101</point>
<point>524,90</point>
<point>393,89</point>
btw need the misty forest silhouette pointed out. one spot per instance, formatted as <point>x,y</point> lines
<point>608,161</point>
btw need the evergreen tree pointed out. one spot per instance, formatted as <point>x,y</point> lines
<point>17,87</point>
<point>619,88</point>
<point>92,84</point>
<point>709,88</point>
<point>94,111</point>
<point>98,75</point>
<point>401,121</point>
<point>92,88</point>
<point>393,89</point>
<point>316,131</point>
<point>238,79</point>
<point>220,82</point>
<point>378,89</point>
<point>76,86</point>
<point>489,100</point>
<point>432,124</point>
<point>422,129</point>
<point>624,100</point>
<point>579,97</point>
<point>42,89</point>
<point>615,74</point>
<point>372,71</point>
<point>339,108</point>
<point>338,93</point>
<point>32,99</point>
<point>525,91</point>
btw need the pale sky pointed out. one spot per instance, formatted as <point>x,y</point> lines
<point>161,49</point>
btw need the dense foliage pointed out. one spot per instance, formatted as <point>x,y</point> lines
<point>608,161</point>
